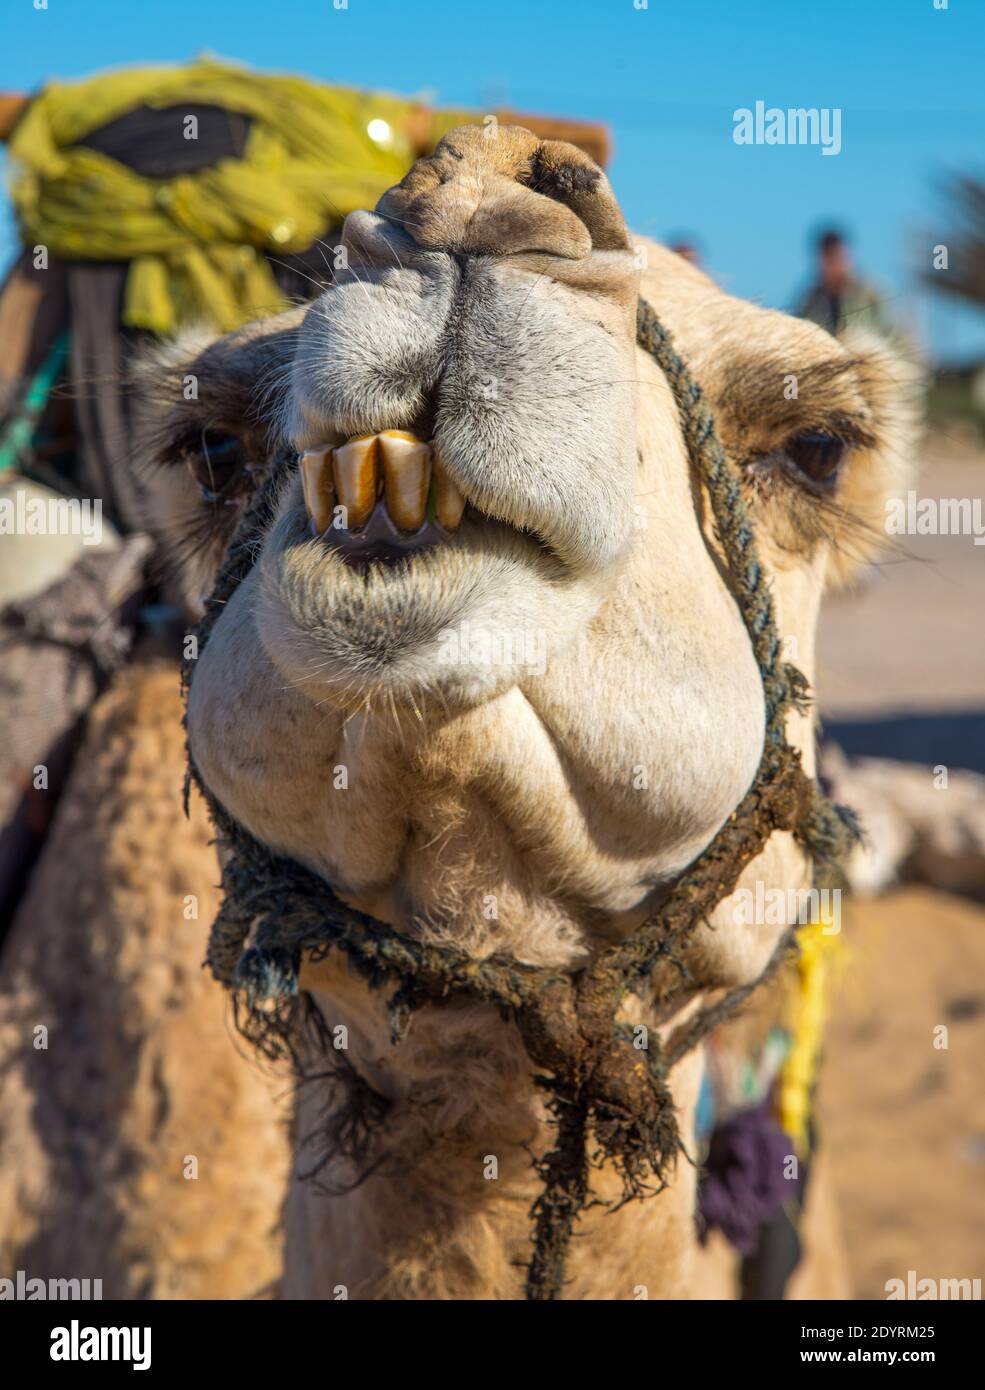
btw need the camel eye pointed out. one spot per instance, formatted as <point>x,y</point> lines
<point>816,456</point>
<point>216,459</point>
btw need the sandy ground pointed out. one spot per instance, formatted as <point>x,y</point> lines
<point>912,634</point>
<point>901,660</point>
<point>902,673</point>
<point>904,1121</point>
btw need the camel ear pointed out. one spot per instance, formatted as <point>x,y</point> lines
<point>205,438</point>
<point>889,382</point>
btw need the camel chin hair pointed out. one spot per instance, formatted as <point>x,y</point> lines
<point>487,676</point>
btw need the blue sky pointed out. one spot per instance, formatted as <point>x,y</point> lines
<point>666,79</point>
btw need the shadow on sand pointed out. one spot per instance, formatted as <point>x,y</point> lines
<point>955,738</point>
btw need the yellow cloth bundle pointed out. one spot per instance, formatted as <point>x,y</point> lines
<point>820,949</point>
<point>313,154</point>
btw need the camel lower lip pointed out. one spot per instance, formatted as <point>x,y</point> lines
<point>363,558</point>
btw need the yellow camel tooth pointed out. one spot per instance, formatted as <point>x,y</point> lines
<point>406,478</point>
<point>354,466</point>
<point>449,504</point>
<point>316,479</point>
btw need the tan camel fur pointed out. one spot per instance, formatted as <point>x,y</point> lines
<point>537,799</point>
<point>138,1145</point>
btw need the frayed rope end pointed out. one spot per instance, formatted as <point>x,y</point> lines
<point>268,976</point>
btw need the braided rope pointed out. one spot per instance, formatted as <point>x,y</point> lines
<point>586,1062</point>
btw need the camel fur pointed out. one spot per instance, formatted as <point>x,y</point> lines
<point>138,1146</point>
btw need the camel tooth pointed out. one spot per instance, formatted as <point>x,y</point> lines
<point>316,479</point>
<point>406,478</point>
<point>356,472</point>
<point>449,504</point>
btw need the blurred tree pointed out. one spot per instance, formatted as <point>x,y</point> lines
<point>960,271</point>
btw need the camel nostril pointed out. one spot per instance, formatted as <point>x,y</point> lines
<point>558,180</point>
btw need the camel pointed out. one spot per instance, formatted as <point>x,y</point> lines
<point>487,676</point>
<point>138,1147</point>
<point>912,836</point>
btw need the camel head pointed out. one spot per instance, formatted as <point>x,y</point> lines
<point>488,646</point>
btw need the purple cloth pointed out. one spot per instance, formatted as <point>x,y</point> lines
<point>743,1184</point>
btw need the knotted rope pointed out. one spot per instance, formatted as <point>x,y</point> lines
<point>597,1081</point>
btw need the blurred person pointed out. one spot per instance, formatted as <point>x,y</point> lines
<point>839,298</point>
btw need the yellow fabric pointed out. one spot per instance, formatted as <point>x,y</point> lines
<point>819,952</point>
<point>195,241</point>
